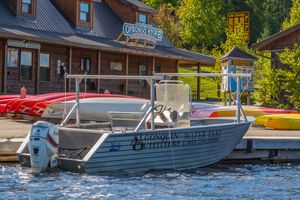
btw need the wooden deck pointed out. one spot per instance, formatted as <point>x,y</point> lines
<point>259,144</point>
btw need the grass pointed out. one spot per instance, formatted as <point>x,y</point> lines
<point>208,86</point>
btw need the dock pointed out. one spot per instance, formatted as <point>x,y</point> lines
<point>259,144</point>
<point>12,133</point>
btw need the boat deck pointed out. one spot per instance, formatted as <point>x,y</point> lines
<point>258,144</point>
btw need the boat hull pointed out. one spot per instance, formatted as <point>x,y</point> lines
<point>165,149</point>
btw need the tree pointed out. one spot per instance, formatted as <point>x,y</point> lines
<point>202,22</point>
<point>167,21</point>
<point>157,3</point>
<point>294,16</point>
<point>290,76</point>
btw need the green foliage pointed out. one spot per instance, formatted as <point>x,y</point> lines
<point>289,76</point>
<point>233,39</point>
<point>266,82</point>
<point>294,17</point>
<point>266,16</point>
<point>202,22</point>
<point>166,20</point>
<point>279,87</point>
<point>157,3</point>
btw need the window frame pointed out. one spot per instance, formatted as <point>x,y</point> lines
<point>84,65</point>
<point>42,67</point>
<point>116,66</point>
<point>88,13</point>
<point>139,17</point>
<point>26,66</point>
<point>17,59</point>
<point>29,7</point>
<point>143,83</point>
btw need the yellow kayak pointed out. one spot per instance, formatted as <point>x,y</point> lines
<point>280,121</point>
<point>249,111</point>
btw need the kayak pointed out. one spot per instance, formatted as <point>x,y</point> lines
<point>38,108</point>
<point>285,122</point>
<point>249,111</point>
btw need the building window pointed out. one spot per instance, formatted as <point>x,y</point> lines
<point>26,6</point>
<point>84,12</point>
<point>44,67</point>
<point>12,57</point>
<point>157,69</point>
<point>85,65</point>
<point>26,65</point>
<point>142,18</point>
<point>116,66</point>
<point>142,72</point>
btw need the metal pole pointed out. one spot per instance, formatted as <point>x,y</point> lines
<point>152,103</point>
<point>77,101</point>
<point>238,104</point>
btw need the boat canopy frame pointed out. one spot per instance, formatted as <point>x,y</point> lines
<point>151,81</point>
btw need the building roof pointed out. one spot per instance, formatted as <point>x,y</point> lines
<point>141,6</point>
<point>268,41</point>
<point>239,54</point>
<point>50,26</point>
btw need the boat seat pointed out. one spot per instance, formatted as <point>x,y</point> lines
<point>125,119</point>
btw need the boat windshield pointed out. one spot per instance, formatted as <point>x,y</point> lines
<point>174,99</point>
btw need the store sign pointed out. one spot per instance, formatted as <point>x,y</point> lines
<point>23,44</point>
<point>242,63</point>
<point>237,19</point>
<point>143,31</point>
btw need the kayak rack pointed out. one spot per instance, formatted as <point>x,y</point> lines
<point>151,81</point>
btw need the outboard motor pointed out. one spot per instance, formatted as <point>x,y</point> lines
<point>43,145</point>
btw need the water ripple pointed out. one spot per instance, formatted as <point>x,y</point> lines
<point>222,181</point>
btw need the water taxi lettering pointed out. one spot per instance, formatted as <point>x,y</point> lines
<point>167,140</point>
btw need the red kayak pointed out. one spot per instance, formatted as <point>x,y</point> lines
<point>25,106</point>
<point>11,106</point>
<point>38,109</point>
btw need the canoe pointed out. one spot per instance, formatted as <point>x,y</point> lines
<point>39,107</point>
<point>96,109</point>
<point>280,121</point>
<point>9,96</point>
<point>18,107</point>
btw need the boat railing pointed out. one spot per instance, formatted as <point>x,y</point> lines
<point>151,81</point>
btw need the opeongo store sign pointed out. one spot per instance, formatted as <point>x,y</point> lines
<point>142,31</point>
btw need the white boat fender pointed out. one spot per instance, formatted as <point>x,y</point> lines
<point>43,145</point>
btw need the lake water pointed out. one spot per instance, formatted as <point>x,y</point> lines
<point>221,181</point>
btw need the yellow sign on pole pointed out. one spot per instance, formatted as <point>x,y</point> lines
<point>236,19</point>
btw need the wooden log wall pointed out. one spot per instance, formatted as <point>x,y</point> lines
<point>70,6</point>
<point>124,11</point>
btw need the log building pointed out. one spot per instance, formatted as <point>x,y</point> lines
<point>41,40</point>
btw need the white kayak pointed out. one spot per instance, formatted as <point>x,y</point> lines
<point>96,109</point>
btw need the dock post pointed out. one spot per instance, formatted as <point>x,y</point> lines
<point>77,102</point>
<point>238,104</point>
<point>250,148</point>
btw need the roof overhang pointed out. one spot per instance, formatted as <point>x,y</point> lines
<point>266,43</point>
<point>70,41</point>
